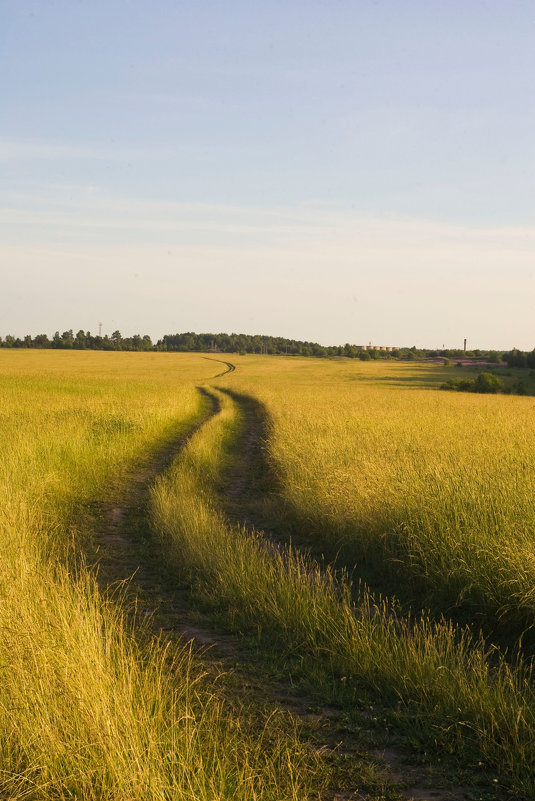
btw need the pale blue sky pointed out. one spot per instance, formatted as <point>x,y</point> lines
<point>337,171</point>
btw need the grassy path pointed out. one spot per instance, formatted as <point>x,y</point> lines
<point>306,617</point>
<point>117,527</point>
<point>132,564</point>
<point>249,494</point>
<point>93,706</point>
<point>213,578</point>
<point>128,560</point>
<point>294,686</point>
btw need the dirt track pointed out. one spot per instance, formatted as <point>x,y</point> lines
<point>128,557</point>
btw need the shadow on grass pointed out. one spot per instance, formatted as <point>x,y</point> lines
<point>252,495</point>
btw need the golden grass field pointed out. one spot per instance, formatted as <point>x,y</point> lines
<point>436,488</point>
<point>89,709</point>
<point>424,494</point>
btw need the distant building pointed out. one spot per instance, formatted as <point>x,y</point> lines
<point>387,348</point>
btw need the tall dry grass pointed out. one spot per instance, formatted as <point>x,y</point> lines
<point>464,694</point>
<point>435,490</point>
<point>90,708</point>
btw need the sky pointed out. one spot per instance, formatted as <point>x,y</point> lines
<point>336,171</point>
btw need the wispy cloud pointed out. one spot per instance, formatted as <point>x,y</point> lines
<point>88,210</point>
<point>35,149</point>
<point>92,215</point>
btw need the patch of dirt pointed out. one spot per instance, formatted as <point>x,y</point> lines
<point>112,539</point>
<point>404,773</point>
<point>116,514</point>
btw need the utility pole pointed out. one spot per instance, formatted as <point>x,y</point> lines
<point>465,345</point>
<point>100,329</point>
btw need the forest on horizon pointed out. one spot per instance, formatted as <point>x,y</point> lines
<point>256,343</point>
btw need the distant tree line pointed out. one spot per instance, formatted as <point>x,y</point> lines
<point>247,343</point>
<point>206,343</point>
<point>257,343</point>
<point>83,340</point>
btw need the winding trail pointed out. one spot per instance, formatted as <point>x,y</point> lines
<point>230,366</point>
<point>130,561</point>
<point>251,498</point>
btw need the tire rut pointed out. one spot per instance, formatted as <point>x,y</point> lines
<point>250,492</point>
<point>230,367</point>
<point>128,561</point>
<point>131,566</point>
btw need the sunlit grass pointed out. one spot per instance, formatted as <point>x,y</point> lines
<point>431,490</point>
<point>90,707</point>
<point>466,696</point>
<point>434,490</point>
